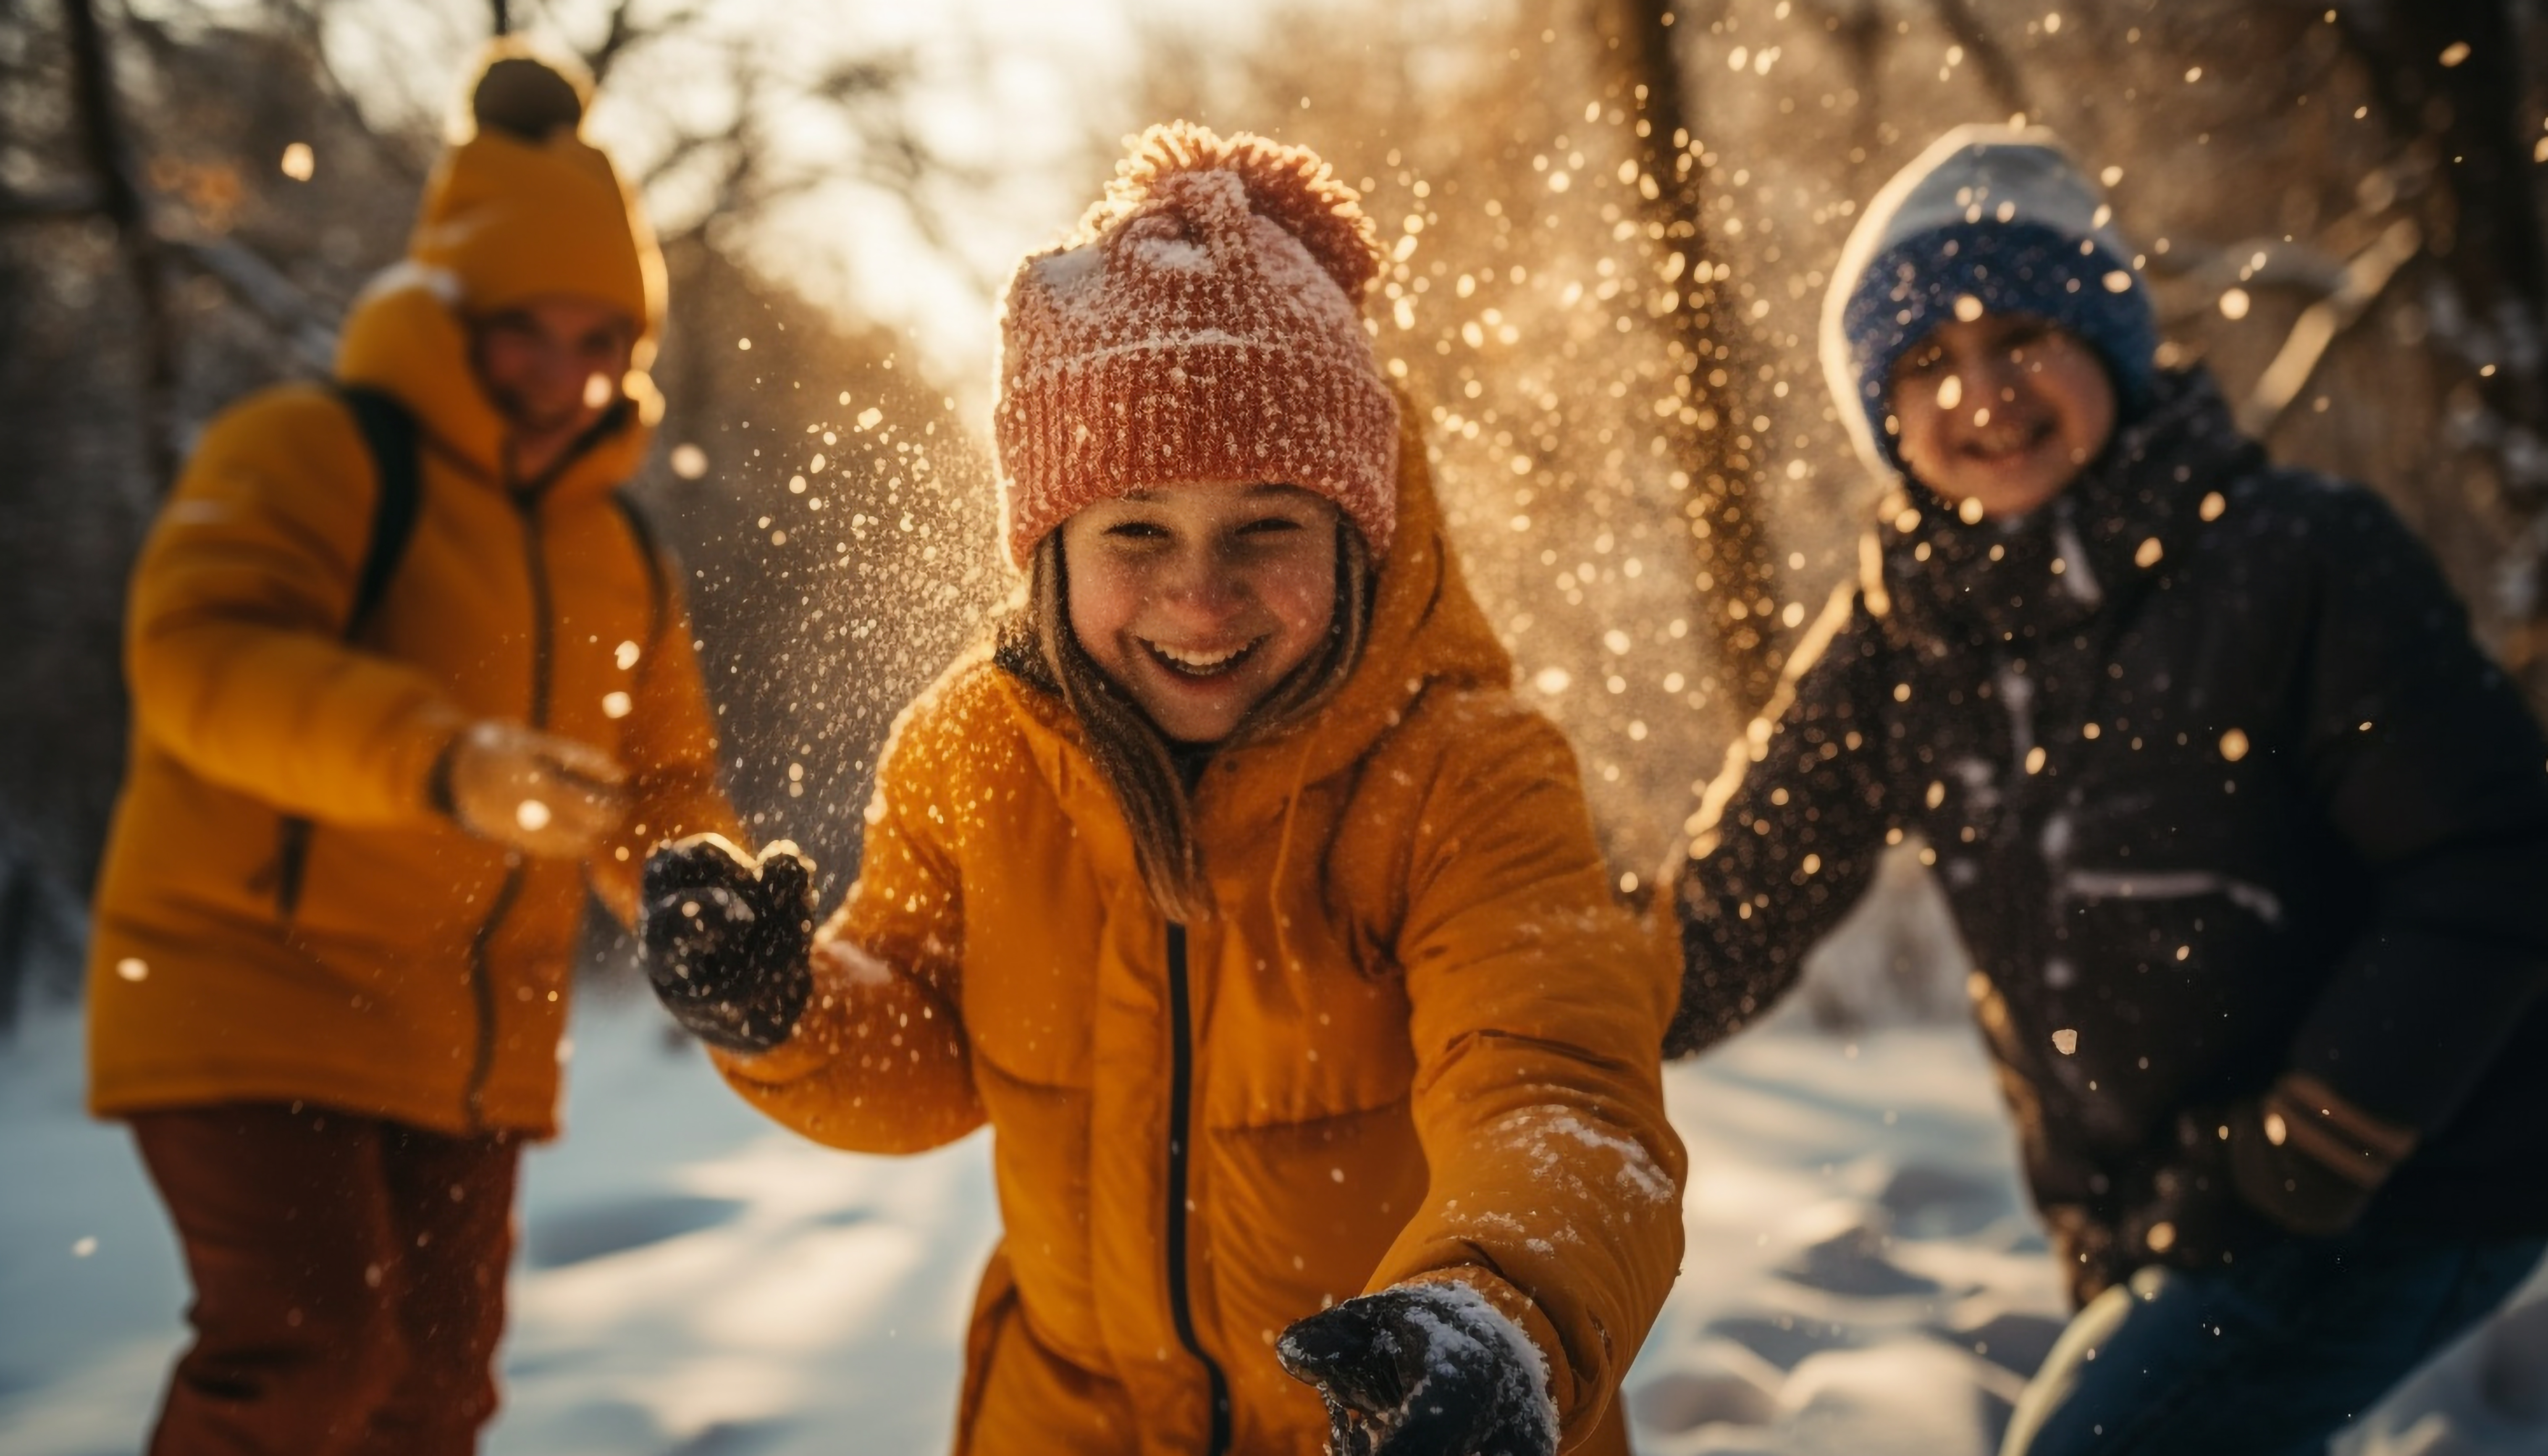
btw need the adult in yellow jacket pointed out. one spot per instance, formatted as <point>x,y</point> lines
<point>335,928</point>
<point>1287,984</point>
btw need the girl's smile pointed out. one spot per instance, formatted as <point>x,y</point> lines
<point>1202,661</point>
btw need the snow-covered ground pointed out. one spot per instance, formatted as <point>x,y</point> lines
<point>1863,1274</point>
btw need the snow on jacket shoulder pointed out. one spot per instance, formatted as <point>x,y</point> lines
<point>1415,1041</point>
<point>2218,785</point>
<point>382,960</point>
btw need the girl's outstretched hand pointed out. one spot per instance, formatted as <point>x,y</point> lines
<point>1423,1370</point>
<point>727,939</point>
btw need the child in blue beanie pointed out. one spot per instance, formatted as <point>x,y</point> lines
<point>2244,832</point>
<point>1990,244</point>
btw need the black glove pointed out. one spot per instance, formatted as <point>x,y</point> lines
<point>2310,1160</point>
<point>2299,1161</point>
<point>1423,1370</point>
<point>727,940</point>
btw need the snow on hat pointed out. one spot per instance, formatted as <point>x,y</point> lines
<point>1205,323</point>
<point>1998,215</point>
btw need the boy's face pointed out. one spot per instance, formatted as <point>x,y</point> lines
<point>2001,410</point>
<point>1199,599</point>
<point>553,365</point>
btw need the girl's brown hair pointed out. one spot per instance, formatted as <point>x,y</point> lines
<point>1033,642</point>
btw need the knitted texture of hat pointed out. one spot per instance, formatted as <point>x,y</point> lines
<point>526,208</point>
<point>1206,325</point>
<point>1999,216</point>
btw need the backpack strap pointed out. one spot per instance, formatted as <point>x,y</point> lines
<point>390,436</point>
<point>392,440</point>
<point>659,583</point>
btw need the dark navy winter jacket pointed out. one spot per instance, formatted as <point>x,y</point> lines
<point>2218,785</point>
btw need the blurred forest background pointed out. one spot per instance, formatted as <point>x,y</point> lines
<point>1609,223</point>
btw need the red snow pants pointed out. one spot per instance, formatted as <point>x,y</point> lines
<point>350,1280</point>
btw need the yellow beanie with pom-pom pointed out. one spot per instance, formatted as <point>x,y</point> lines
<point>525,207</point>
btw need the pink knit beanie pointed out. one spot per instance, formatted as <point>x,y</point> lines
<point>1205,324</point>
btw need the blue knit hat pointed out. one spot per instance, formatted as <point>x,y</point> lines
<point>1993,214</point>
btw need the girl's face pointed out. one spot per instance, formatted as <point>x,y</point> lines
<point>2002,409</point>
<point>1199,597</point>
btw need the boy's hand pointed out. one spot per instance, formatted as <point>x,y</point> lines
<point>727,940</point>
<point>544,795</point>
<point>2310,1160</point>
<point>2299,1161</point>
<point>1423,1370</point>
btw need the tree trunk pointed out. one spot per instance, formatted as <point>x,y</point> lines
<point>1737,581</point>
<point>2450,78</point>
<point>17,925</point>
<point>109,153</point>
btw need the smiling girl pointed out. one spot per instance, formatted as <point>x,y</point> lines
<point>1232,887</point>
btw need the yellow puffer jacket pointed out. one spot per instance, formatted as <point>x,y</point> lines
<point>1418,1042</point>
<point>420,973</point>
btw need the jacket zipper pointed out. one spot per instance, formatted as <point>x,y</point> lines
<point>481,975</point>
<point>1180,1139</point>
<point>482,991</point>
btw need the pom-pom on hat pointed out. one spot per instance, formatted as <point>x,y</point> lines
<point>1205,323</point>
<point>524,206</point>
<point>527,98</point>
<point>1998,215</point>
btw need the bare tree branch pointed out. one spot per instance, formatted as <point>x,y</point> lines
<point>2199,274</point>
<point>891,156</point>
<point>2323,322</point>
<point>625,32</point>
<point>1998,72</point>
<point>685,145</point>
<point>69,200</point>
<point>269,295</point>
<point>300,22</point>
<point>614,40</point>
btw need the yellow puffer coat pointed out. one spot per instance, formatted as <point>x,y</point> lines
<point>420,973</point>
<point>1419,1040</point>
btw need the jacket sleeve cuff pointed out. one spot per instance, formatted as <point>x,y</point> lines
<point>438,778</point>
<point>426,771</point>
<point>2303,1113</point>
<point>799,1056</point>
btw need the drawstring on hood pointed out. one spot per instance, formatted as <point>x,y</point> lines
<point>1290,964</point>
